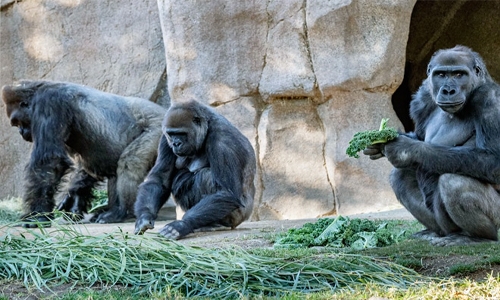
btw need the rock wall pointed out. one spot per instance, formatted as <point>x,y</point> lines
<point>299,78</point>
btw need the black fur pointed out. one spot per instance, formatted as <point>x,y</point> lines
<point>103,136</point>
<point>208,167</point>
<point>447,174</point>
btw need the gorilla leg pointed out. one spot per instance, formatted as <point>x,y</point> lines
<point>405,185</point>
<point>196,193</point>
<point>133,166</point>
<point>79,195</point>
<point>473,206</point>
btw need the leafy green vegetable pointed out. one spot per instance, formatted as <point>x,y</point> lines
<point>99,201</point>
<point>363,139</point>
<point>342,232</point>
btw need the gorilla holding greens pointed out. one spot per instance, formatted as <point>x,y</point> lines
<point>206,164</point>
<point>100,135</point>
<point>447,172</point>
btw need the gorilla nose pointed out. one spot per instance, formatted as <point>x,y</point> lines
<point>176,144</point>
<point>448,91</point>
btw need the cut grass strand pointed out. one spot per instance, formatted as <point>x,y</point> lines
<point>151,264</point>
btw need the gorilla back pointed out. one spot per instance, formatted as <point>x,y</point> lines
<point>447,172</point>
<point>105,135</point>
<point>206,164</point>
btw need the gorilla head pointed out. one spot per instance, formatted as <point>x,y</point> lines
<point>185,128</point>
<point>453,74</point>
<point>18,102</point>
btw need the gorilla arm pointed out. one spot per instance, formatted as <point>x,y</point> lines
<point>481,162</point>
<point>49,161</point>
<point>228,163</point>
<point>155,189</point>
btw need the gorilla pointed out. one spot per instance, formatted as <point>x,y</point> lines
<point>447,172</point>
<point>95,134</point>
<point>208,167</point>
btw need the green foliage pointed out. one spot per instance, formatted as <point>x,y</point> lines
<point>99,201</point>
<point>151,265</point>
<point>342,232</point>
<point>363,139</point>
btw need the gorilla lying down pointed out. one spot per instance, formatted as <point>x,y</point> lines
<point>447,172</point>
<point>206,165</point>
<point>101,135</point>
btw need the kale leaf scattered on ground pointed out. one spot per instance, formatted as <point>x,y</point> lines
<point>363,139</point>
<point>342,232</point>
<point>99,200</point>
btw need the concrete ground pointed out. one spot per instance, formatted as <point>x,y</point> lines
<point>247,235</point>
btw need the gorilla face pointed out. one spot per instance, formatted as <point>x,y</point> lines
<point>185,131</point>
<point>18,110</point>
<point>452,78</point>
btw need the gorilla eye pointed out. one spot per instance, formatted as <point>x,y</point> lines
<point>197,120</point>
<point>23,104</point>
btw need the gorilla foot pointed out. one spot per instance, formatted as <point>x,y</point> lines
<point>425,234</point>
<point>109,216</point>
<point>176,230</point>
<point>216,227</point>
<point>456,239</point>
<point>35,220</point>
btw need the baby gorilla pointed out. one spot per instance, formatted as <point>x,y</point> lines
<point>206,164</point>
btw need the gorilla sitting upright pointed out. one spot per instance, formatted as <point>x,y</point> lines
<point>447,172</point>
<point>105,135</point>
<point>206,164</point>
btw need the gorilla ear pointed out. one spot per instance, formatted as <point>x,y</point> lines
<point>429,68</point>
<point>479,71</point>
<point>480,67</point>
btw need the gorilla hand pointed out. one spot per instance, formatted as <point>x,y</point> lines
<point>74,205</point>
<point>175,230</point>
<point>143,223</point>
<point>35,219</point>
<point>375,151</point>
<point>401,152</point>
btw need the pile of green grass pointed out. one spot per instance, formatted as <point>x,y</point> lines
<point>152,265</point>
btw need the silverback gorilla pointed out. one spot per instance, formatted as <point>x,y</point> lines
<point>447,172</point>
<point>106,136</point>
<point>206,164</point>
